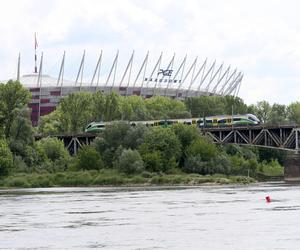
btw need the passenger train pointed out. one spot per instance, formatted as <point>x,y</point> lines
<point>207,122</point>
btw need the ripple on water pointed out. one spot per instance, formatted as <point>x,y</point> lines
<point>90,212</point>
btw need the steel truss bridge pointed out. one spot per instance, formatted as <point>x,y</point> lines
<point>284,137</point>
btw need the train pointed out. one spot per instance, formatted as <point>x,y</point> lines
<point>207,122</point>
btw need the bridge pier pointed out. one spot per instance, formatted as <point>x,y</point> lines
<point>292,167</point>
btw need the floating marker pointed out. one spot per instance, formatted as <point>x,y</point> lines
<point>268,199</point>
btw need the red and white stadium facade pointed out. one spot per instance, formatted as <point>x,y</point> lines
<point>178,79</point>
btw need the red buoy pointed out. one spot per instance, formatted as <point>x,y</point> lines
<point>268,199</point>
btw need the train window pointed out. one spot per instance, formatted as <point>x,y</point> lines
<point>215,121</point>
<point>229,120</point>
<point>187,123</point>
<point>161,122</point>
<point>222,121</point>
<point>236,119</point>
<point>193,121</point>
<point>208,121</point>
<point>133,124</point>
<point>155,124</point>
<point>250,118</point>
<point>89,126</point>
<point>199,121</point>
<point>100,126</point>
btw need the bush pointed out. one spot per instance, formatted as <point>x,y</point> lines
<point>17,181</point>
<point>272,168</point>
<point>135,136</point>
<point>130,162</point>
<point>6,159</point>
<point>153,161</point>
<point>164,141</point>
<point>88,158</point>
<point>204,148</point>
<point>237,163</point>
<point>186,134</point>
<point>220,164</point>
<point>108,180</point>
<point>53,148</point>
<point>195,164</point>
<point>53,154</point>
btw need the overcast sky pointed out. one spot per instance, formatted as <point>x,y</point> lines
<point>259,37</point>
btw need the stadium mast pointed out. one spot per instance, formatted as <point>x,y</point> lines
<point>18,69</point>
<point>35,56</point>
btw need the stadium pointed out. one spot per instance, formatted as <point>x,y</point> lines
<point>177,78</point>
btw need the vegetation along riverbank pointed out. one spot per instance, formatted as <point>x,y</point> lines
<point>127,155</point>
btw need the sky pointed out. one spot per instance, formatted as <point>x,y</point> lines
<point>259,37</point>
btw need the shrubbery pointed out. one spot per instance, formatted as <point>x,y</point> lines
<point>124,150</point>
<point>53,154</point>
<point>88,158</point>
<point>6,159</point>
<point>130,162</point>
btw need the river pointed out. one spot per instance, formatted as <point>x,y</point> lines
<point>206,217</point>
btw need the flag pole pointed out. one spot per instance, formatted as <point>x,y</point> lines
<point>35,56</point>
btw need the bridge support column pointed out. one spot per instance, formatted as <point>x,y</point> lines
<point>292,168</point>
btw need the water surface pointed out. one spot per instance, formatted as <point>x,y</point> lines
<point>210,217</point>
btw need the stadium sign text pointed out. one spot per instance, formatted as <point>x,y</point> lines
<point>167,72</point>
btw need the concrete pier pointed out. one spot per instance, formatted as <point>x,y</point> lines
<point>292,167</point>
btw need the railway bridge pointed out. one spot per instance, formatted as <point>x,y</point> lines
<point>284,137</point>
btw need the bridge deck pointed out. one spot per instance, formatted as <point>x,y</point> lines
<point>273,136</point>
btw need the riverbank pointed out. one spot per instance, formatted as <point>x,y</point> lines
<point>115,178</point>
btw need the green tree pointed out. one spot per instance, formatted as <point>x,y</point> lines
<point>115,133</point>
<point>13,97</point>
<point>138,107</point>
<point>112,107</point>
<point>164,141</point>
<point>76,111</point>
<point>126,109</point>
<point>203,106</point>
<point>130,162</point>
<point>98,106</point>
<point>51,124</point>
<point>21,140</point>
<point>53,151</point>
<point>186,134</point>
<point>153,161</point>
<point>278,114</point>
<point>21,128</point>
<point>203,147</point>
<point>135,136</point>
<point>262,110</point>
<point>88,158</point>
<point>234,105</point>
<point>6,159</point>
<point>293,111</point>
<point>163,107</point>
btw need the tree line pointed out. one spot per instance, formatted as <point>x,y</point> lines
<point>78,109</point>
<point>129,150</point>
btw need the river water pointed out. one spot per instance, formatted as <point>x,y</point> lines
<point>208,217</point>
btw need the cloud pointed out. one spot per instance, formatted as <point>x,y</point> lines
<point>261,38</point>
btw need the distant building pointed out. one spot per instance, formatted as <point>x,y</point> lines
<point>157,80</point>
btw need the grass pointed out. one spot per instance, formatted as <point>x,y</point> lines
<point>107,177</point>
